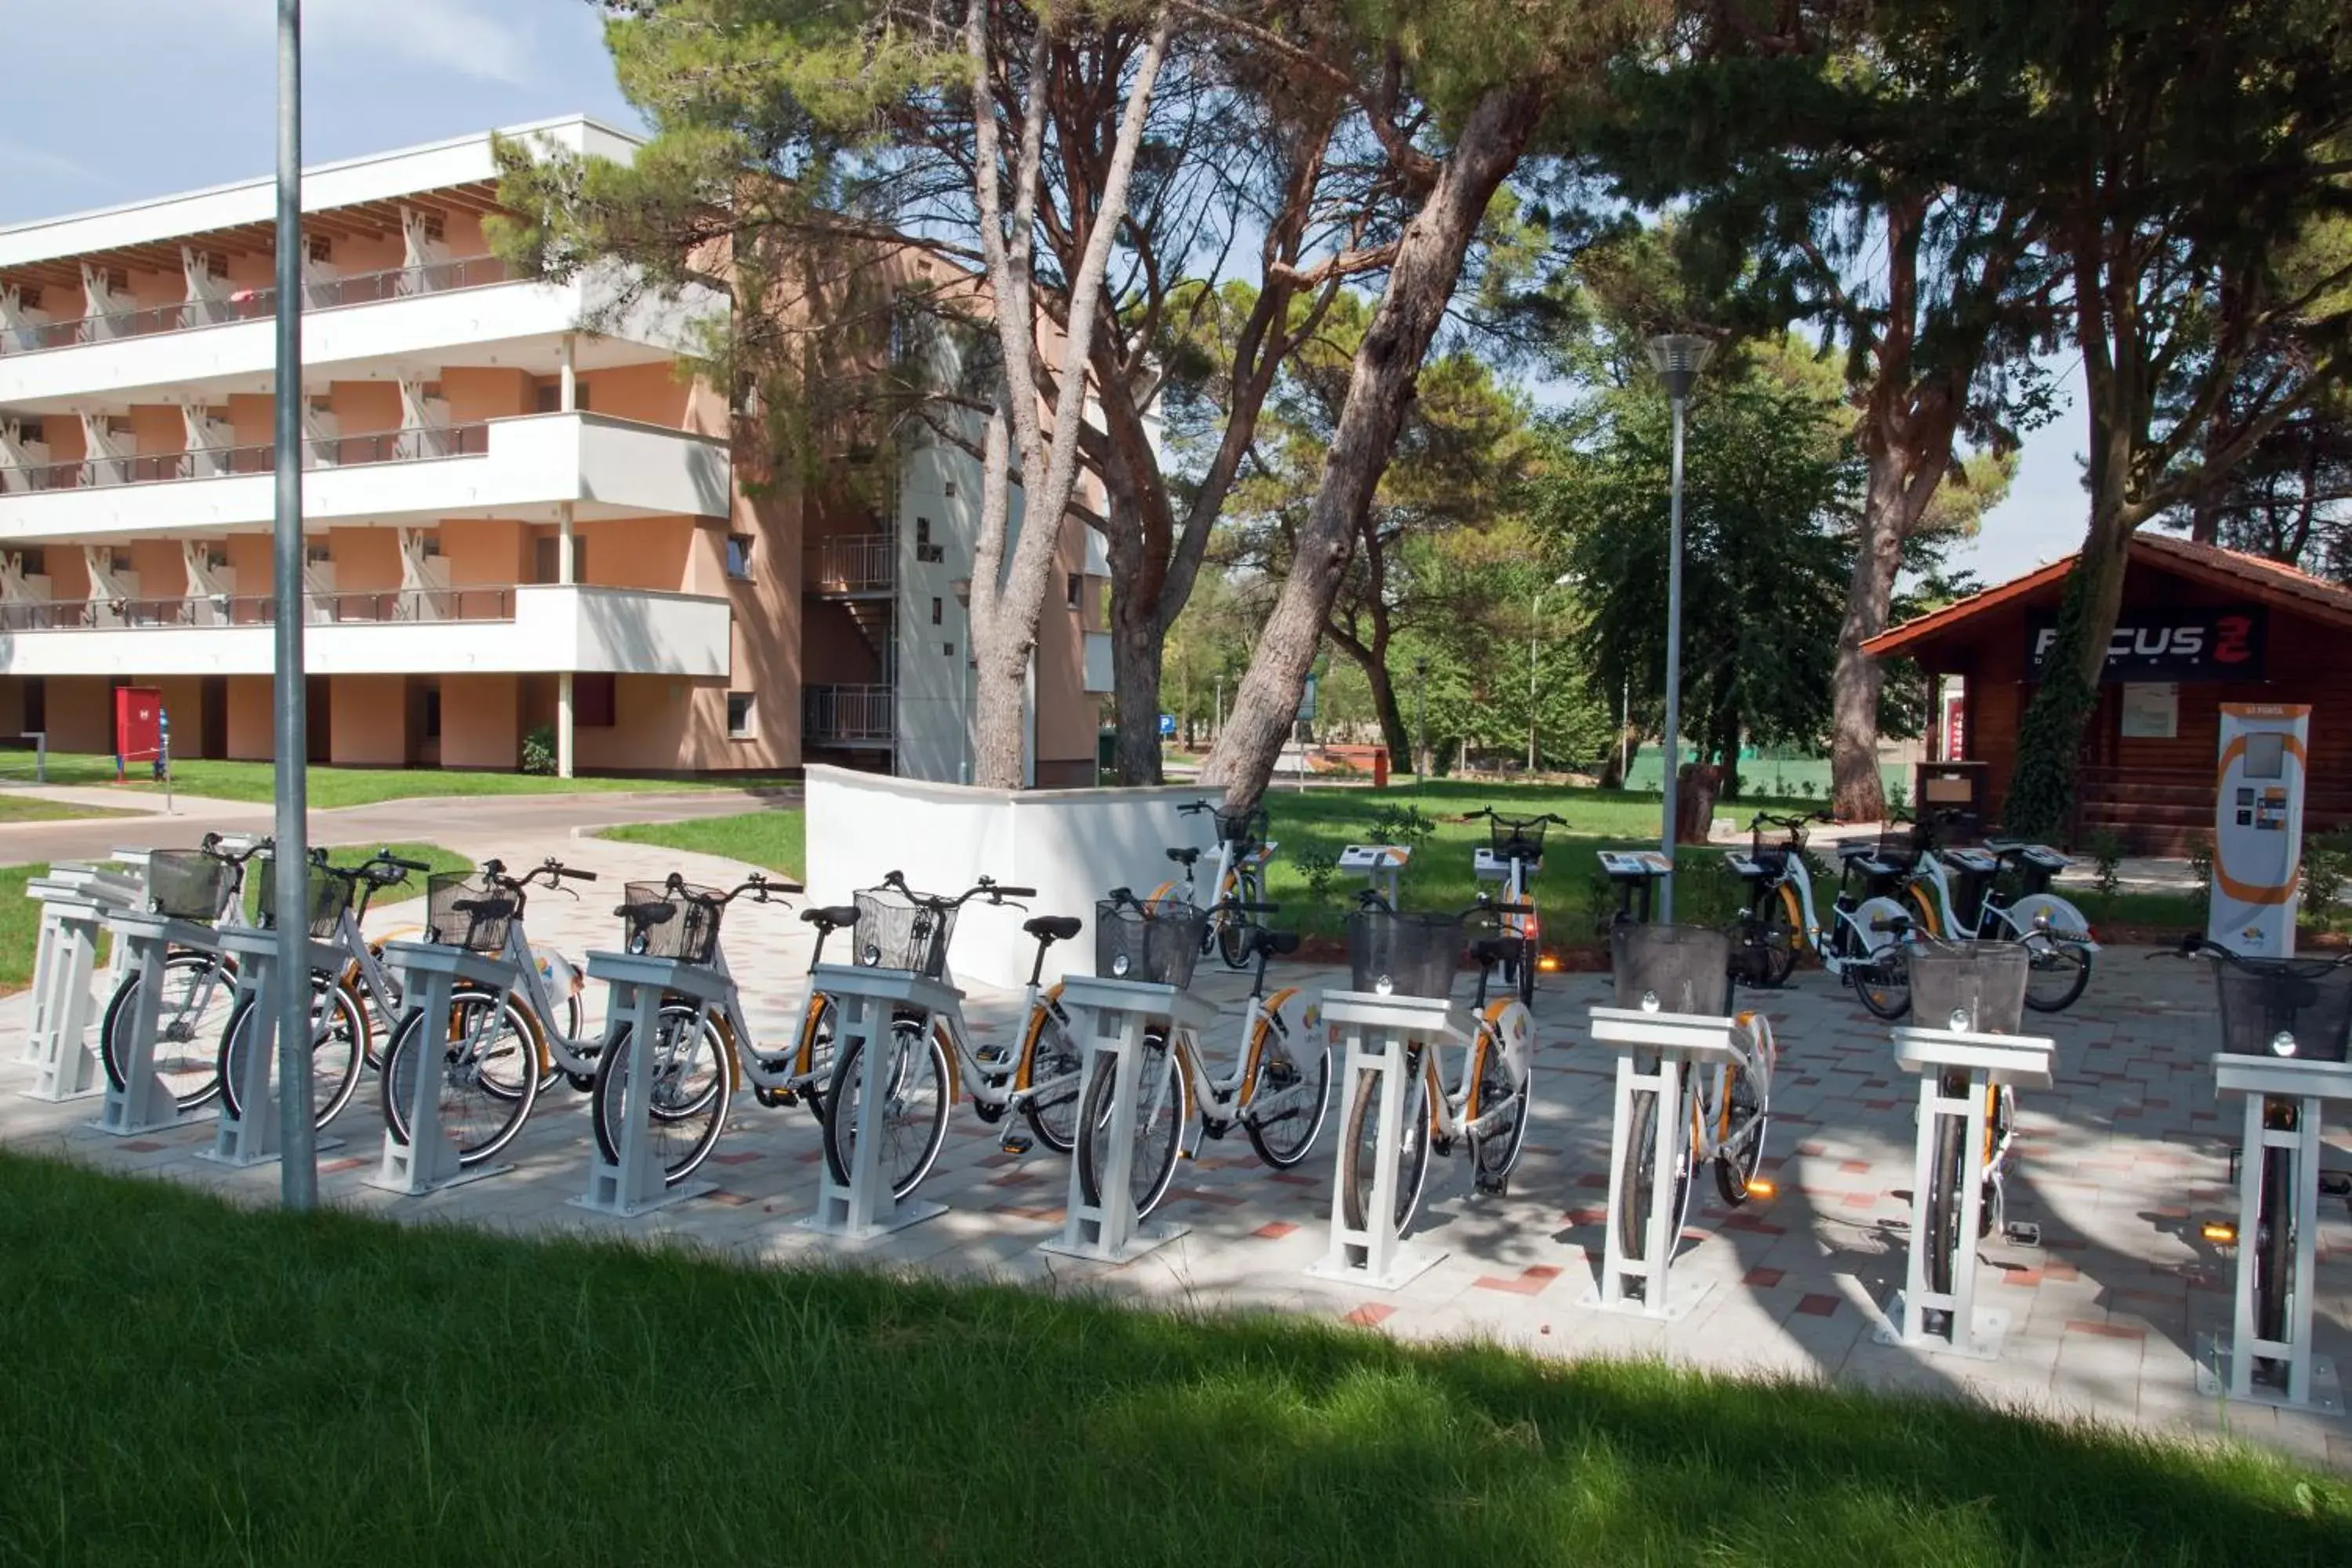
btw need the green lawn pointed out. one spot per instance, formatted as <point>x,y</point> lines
<point>31,808</point>
<point>195,1383</point>
<point>777,839</point>
<point>333,787</point>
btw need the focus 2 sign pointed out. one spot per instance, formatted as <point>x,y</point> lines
<point>2204,644</point>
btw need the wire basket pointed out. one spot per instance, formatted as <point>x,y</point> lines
<point>187,884</point>
<point>1156,942</point>
<point>1975,987</point>
<point>1773,857</point>
<point>1672,969</point>
<point>325,894</point>
<point>462,913</point>
<point>895,932</point>
<point>2306,1000</point>
<point>676,923</point>
<point>1242,829</point>
<point>1394,953</point>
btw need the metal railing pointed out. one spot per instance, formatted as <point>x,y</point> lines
<point>256,304</point>
<point>853,563</point>
<point>415,444</point>
<point>391,606</point>
<point>846,715</point>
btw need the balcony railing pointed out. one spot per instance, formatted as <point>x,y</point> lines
<point>254,304</point>
<point>417,444</point>
<point>854,563</point>
<point>846,715</point>
<point>389,607</point>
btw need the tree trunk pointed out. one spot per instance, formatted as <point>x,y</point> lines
<point>1390,713</point>
<point>2050,737</point>
<point>1428,264</point>
<point>1135,644</point>
<point>1620,757</point>
<point>1856,792</point>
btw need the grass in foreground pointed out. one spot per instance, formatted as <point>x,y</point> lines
<point>32,808</point>
<point>334,787</point>
<point>195,1384</point>
<point>777,840</point>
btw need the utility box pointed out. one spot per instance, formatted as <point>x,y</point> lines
<point>138,725</point>
<point>2258,827</point>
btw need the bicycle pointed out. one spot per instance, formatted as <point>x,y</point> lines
<point>2299,1007</point>
<point>207,885</point>
<point>901,929</point>
<point>499,1048</point>
<point>344,1004</point>
<point>1485,1112</point>
<point>1957,893</point>
<point>1725,1109</point>
<point>1858,945</point>
<point>1243,853</point>
<point>1513,858</point>
<point>1279,1089</point>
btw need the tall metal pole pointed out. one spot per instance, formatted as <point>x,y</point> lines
<point>297,1178</point>
<point>1672,739</point>
<point>1421,720</point>
<point>1535,635</point>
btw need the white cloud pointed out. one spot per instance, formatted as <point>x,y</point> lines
<point>477,39</point>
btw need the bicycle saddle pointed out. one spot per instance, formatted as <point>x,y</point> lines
<point>646,914</point>
<point>1273,943</point>
<point>1053,928</point>
<point>831,917</point>
<point>1187,859</point>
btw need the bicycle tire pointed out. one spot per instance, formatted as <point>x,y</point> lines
<point>1495,1155</point>
<point>1944,1240</point>
<point>1883,982</point>
<point>1638,1189</point>
<point>2001,1117</point>
<point>909,1071</point>
<point>1733,1173</point>
<point>1287,1137</point>
<point>1054,1057</point>
<point>554,1072</point>
<point>1780,940</point>
<point>1360,1153</point>
<point>337,1050</point>
<point>507,1105</point>
<point>692,1087</point>
<point>191,1069</point>
<point>1160,1081</point>
<point>2068,965</point>
<point>1234,934</point>
<point>817,1036</point>
<point>2274,1239</point>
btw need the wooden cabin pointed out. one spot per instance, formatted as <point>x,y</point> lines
<point>2200,626</point>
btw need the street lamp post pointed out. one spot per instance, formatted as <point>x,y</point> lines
<point>1677,357</point>
<point>1421,720</point>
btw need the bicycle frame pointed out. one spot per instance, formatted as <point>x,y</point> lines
<point>1836,957</point>
<point>1708,1091</point>
<point>1226,1101</point>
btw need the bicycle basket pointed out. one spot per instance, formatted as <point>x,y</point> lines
<point>678,924</point>
<point>1975,987</point>
<point>187,884</point>
<point>1394,953</point>
<point>1772,857</point>
<point>1672,969</point>
<point>1898,847</point>
<point>324,895</point>
<point>1155,942</point>
<point>462,913</point>
<point>894,931</point>
<point>2263,998</point>
<point>1243,829</point>
<point>1517,841</point>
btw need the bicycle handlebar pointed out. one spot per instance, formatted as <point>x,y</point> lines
<point>212,847</point>
<point>986,887</point>
<point>1489,813</point>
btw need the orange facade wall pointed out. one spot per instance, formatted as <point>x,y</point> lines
<point>369,725</point>
<point>480,722</point>
<point>81,713</point>
<point>252,728</point>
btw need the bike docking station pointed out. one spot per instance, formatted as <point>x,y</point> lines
<point>1381,1028</point>
<point>430,974</point>
<point>143,1103</point>
<point>75,902</point>
<point>866,1003</point>
<point>1979,989</point>
<point>2311,1381</point>
<point>252,1139</point>
<point>1634,873</point>
<point>1381,866</point>
<point>1121,1013</point>
<point>637,985</point>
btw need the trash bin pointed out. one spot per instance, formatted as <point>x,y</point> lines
<point>1381,767</point>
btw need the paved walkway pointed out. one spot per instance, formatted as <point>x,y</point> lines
<point>2119,1163</point>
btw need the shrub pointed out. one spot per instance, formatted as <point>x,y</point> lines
<point>1898,797</point>
<point>1321,869</point>
<point>2106,846</point>
<point>2326,867</point>
<point>1406,827</point>
<point>2200,866</point>
<point>538,750</point>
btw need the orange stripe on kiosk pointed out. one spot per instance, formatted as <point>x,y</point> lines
<point>2257,826</point>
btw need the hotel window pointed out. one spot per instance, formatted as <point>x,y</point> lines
<point>936,610</point>
<point>739,717</point>
<point>739,556</point>
<point>1076,586</point>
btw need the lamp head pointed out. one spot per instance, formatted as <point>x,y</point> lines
<point>1678,357</point>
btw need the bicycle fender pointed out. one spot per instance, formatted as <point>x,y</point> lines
<point>1873,910</point>
<point>2065,921</point>
<point>1024,1071</point>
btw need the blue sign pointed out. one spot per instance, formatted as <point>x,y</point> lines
<point>1167,724</point>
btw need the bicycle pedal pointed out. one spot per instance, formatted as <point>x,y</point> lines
<point>992,1056</point>
<point>1017,1144</point>
<point>2021,1233</point>
<point>1494,1186</point>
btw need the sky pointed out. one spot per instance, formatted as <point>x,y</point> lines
<point>119,101</point>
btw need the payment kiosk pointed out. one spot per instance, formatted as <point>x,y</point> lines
<point>2258,827</point>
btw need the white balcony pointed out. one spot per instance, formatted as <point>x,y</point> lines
<point>524,629</point>
<point>508,468</point>
<point>460,311</point>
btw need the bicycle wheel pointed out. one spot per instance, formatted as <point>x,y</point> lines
<point>1495,1149</point>
<point>1290,1096</point>
<point>813,1061</point>
<point>1743,1121</point>
<point>910,1121</point>
<point>1780,940</point>
<point>1883,982</point>
<point>2056,972</point>
<point>1160,1118</point>
<point>1944,1240</point>
<point>2274,1239</point>
<point>199,991</point>
<point>486,1069</point>
<point>574,1026</point>
<point>1234,933</point>
<point>338,1045</point>
<point>1055,1065</point>
<point>1361,1153</point>
<point>1636,1182</point>
<point>686,1102</point>
<point>2000,1116</point>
